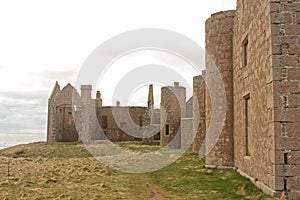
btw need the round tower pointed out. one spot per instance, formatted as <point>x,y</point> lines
<point>173,108</point>
<point>219,65</point>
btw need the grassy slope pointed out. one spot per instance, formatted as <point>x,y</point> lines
<point>68,171</point>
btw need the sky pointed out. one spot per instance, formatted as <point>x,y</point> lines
<point>46,41</point>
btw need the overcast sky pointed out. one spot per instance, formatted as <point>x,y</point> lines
<point>45,41</point>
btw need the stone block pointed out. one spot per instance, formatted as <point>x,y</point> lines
<point>292,29</point>
<point>287,143</point>
<point>294,73</point>
<point>293,183</point>
<point>292,171</point>
<point>293,195</point>
<point>290,60</point>
<point>294,158</point>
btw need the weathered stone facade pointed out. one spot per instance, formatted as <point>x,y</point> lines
<point>219,32</point>
<point>61,126</point>
<point>116,129</point>
<point>94,122</point>
<point>268,77</point>
<point>173,109</point>
<point>253,93</point>
<point>97,122</point>
<point>285,77</point>
<point>199,124</point>
<point>256,51</point>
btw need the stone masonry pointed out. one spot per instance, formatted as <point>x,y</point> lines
<point>199,125</point>
<point>219,32</point>
<point>285,107</point>
<point>173,108</point>
<point>93,121</point>
<point>61,126</point>
<point>115,129</point>
<point>256,50</point>
<point>253,55</point>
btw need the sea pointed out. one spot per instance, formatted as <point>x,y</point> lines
<point>12,139</point>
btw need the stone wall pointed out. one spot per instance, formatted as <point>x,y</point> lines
<point>253,127</point>
<point>219,133</point>
<point>186,133</point>
<point>65,125</point>
<point>51,114</point>
<point>263,57</point>
<point>285,103</point>
<point>156,116</point>
<point>199,114</point>
<point>113,128</point>
<point>61,126</point>
<point>189,108</point>
<point>173,108</point>
<point>89,115</point>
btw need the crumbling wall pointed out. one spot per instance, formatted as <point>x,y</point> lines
<point>64,126</point>
<point>51,114</point>
<point>112,127</point>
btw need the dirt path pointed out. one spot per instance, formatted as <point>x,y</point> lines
<point>156,195</point>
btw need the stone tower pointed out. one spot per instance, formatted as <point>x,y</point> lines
<point>256,51</point>
<point>219,46</point>
<point>90,128</point>
<point>173,108</point>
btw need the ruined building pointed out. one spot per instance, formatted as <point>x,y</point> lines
<point>252,54</point>
<point>70,114</point>
<point>61,126</point>
<point>67,108</point>
<point>256,51</point>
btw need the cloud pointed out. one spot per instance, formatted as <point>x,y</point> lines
<point>59,75</point>
<point>23,111</point>
<point>23,107</point>
<point>20,97</point>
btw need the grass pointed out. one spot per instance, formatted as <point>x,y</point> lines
<point>189,179</point>
<point>68,171</point>
<point>137,146</point>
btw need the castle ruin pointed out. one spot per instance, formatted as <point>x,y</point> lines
<point>256,51</point>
